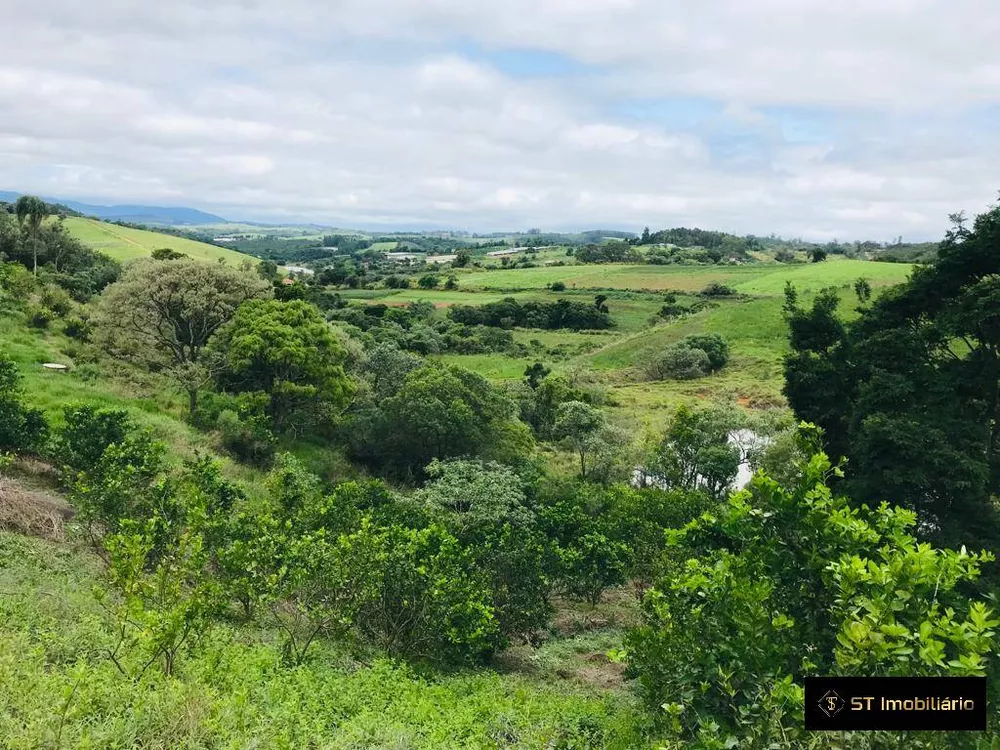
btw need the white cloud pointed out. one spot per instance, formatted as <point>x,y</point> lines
<point>368,111</point>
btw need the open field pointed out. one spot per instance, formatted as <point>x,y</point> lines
<point>752,324</point>
<point>125,243</point>
<point>751,279</point>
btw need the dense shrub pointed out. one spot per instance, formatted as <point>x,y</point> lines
<point>591,564</point>
<point>509,313</point>
<point>21,428</point>
<point>717,289</point>
<point>792,581</point>
<point>485,507</point>
<point>692,357</point>
<point>38,316</point>
<point>122,487</point>
<point>679,363</point>
<point>430,602</point>
<point>77,328</point>
<point>247,436</point>
<point>87,432</point>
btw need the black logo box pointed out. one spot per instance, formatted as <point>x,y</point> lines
<point>929,703</point>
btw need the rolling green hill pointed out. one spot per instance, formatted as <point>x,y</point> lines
<point>125,243</point>
<point>766,279</point>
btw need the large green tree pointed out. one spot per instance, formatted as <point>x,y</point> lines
<point>162,313</point>
<point>288,351</point>
<point>778,582</point>
<point>910,389</point>
<point>437,412</point>
<point>31,212</point>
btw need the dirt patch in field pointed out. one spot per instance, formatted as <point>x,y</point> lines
<point>32,512</point>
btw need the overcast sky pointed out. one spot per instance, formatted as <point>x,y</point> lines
<point>848,119</point>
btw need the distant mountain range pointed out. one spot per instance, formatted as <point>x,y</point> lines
<point>168,215</point>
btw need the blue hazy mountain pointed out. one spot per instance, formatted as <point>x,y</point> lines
<point>171,215</point>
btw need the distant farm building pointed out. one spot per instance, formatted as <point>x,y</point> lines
<point>501,253</point>
<point>440,258</point>
<point>300,269</point>
<point>404,258</point>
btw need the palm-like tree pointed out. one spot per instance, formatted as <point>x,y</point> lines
<point>31,211</point>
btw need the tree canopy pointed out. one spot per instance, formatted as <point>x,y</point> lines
<point>910,389</point>
<point>288,352</point>
<point>162,313</point>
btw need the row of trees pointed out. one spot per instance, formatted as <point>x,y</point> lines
<point>909,389</point>
<point>509,313</point>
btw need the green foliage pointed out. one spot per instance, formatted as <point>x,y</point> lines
<point>908,389</point>
<point>288,352</point>
<point>21,428</point>
<point>166,253</point>
<point>38,316</point>
<point>592,564</point>
<point>162,313</point>
<point>784,581</point>
<point>692,357</point>
<point>78,328</point>
<point>386,367</point>
<point>485,507</point>
<point>679,363</point>
<point>577,422</point>
<point>123,485</point>
<point>695,452</point>
<point>558,286</point>
<point>509,313</point>
<point>87,432</point>
<point>437,412</point>
<point>159,603</point>
<point>717,289</point>
<point>247,435</point>
<point>430,604</point>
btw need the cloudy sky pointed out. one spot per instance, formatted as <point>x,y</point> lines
<point>849,119</point>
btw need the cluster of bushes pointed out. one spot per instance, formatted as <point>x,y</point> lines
<point>692,357</point>
<point>609,252</point>
<point>414,410</point>
<point>22,429</point>
<point>61,260</point>
<point>449,573</point>
<point>414,329</point>
<point>509,313</point>
<point>794,580</point>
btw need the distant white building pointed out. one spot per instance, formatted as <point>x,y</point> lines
<point>501,253</point>
<point>300,269</point>
<point>436,259</point>
<point>405,258</point>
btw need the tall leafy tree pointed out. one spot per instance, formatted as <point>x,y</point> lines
<point>31,212</point>
<point>437,412</point>
<point>910,389</point>
<point>162,313</point>
<point>288,351</point>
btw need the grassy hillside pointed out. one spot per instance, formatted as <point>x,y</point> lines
<point>752,324</point>
<point>125,243</point>
<point>752,279</point>
<point>58,688</point>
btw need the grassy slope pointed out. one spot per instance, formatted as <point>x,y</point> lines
<point>233,690</point>
<point>752,279</point>
<point>125,243</point>
<point>752,325</point>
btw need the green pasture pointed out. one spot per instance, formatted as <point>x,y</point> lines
<point>125,243</point>
<point>750,279</point>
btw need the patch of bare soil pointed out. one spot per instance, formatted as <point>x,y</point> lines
<point>31,511</point>
<point>601,672</point>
